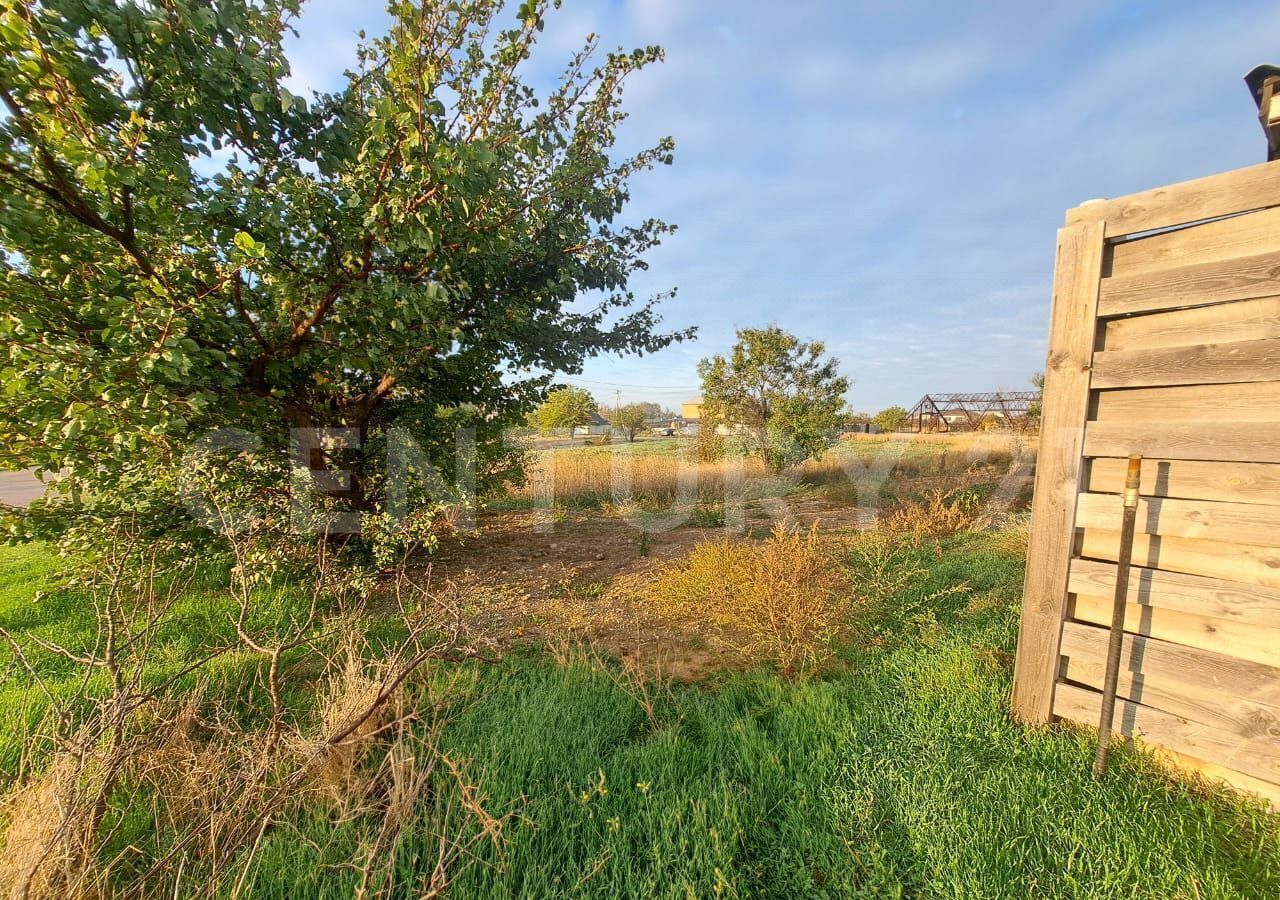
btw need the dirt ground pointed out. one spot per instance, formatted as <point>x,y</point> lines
<point>581,576</point>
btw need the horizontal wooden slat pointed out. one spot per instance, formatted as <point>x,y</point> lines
<point>1244,235</point>
<point>1244,641</point>
<point>1248,320</point>
<point>1242,523</point>
<point>1243,278</point>
<point>1249,402</point>
<point>1191,673</point>
<point>1171,681</point>
<point>1197,364</point>
<point>1256,757</point>
<point>1235,482</point>
<point>1213,597</point>
<point>1215,559</point>
<point>1220,442</point>
<point>1213,772</point>
<point>1241,190</point>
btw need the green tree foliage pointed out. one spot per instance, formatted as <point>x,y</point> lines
<point>891,418</point>
<point>565,408</point>
<point>188,246</point>
<point>786,394</point>
<point>631,418</point>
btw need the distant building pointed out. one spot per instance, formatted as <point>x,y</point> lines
<point>597,425</point>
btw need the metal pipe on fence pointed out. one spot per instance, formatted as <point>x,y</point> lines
<point>1132,482</point>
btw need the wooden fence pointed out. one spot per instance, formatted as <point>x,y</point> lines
<point>1165,341</point>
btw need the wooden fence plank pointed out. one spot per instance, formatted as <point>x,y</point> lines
<point>1236,482</point>
<point>1242,190</point>
<point>1255,757</point>
<point>1228,712</point>
<point>1254,402</point>
<point>1214,597</point>
<point>1242,640</point>
<point>1244,235</point>
<point>1190,672</point>
<point>1066,400</point>
<point>1197,364</point>
<point>1242,523</point>
<point>1221,442</point>
<point>1247,320</point>
<point>1197,285</point>
<point>1214,773</point>
<point>1214,559</point>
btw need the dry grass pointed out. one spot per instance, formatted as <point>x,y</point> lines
<point>784,599</point>
<point>40,855</point>
<point>578,476</point>
<point>366,751</point>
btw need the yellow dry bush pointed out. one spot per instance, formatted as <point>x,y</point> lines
<point>939,514</point>
<point>784,599</point>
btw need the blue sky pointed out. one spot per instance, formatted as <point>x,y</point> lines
<point>886,176</point>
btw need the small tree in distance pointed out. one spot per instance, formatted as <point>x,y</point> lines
<point>786,393</point>
<point>565,408</point>
<point>630,419</point>
<point>891,418</point>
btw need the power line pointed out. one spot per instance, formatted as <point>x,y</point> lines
<point>618,384</point>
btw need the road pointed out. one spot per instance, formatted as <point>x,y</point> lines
<point>19,488</point>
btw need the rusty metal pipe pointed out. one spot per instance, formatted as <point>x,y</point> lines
<point>1132,482</point>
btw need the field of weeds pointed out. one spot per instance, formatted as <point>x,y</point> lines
<point>805,706</point>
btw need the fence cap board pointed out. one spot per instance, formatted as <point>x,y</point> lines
<point>1228,194</point>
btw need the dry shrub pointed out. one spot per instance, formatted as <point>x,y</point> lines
<point>939,514</point>
<point>784,599</point>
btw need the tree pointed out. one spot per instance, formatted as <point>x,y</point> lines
<point>782,390</point>
<point>1035,407</point>
<point>654,412</point>
<point>630,418</point>
<point>188,246</point>
<point>891,418</point>
<point>565,408</point>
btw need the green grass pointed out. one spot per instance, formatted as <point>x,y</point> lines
<point>899,773</point>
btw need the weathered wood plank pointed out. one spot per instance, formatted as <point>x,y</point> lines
<point>1243,523</point>
<point>1196,364</point>
<point>1249,402</point>
<point>1194,674</point>
<point>1243,641</point>
<point>1244,278</point>
<point>1066,401</point>
<point>1242,235</point>
<point>1214,559</point>
<point>1221,442</point>
<point>1235,482</point>
<point>1256,757</point>
<point>1242,190</point>
<point>1213,597</point>
<point>1214,773</point>
<point>1247,320</point>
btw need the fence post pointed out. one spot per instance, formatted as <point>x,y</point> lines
<point>1077,274</point>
